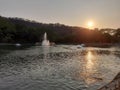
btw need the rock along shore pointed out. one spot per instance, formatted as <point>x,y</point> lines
<point>113,85</point>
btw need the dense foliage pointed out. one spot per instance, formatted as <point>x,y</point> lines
<point>14,30</point>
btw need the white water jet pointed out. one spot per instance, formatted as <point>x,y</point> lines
<point>45,42</point>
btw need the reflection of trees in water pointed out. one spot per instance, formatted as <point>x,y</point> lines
<point>103,52</point>
<point>117,53</point>
<point>6,49</point>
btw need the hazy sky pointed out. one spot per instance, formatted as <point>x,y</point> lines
<point>104,13</point>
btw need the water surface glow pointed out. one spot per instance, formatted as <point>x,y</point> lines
<point>63,67</point>
<point>90,63</point>
<point>89,68</point>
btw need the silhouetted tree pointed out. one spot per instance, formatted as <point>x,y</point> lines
<point>14,30</point>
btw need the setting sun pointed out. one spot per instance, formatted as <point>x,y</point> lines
<point>90,24</point>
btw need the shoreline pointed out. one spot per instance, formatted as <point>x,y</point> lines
<point>102,44</point>
<point>16,43</point>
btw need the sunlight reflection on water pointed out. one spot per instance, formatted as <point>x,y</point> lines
<point>89,64</point>
<point>58,68</point>
<point>89,67</point>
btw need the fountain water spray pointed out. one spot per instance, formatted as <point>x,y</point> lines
<point>45,42</point>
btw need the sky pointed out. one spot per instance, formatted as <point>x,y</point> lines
<point>104,13</point>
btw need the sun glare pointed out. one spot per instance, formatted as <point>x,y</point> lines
<point>90,24</point>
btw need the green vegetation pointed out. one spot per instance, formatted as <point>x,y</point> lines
<point>14,30</point>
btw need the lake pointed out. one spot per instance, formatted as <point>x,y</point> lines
<point>60,67</point>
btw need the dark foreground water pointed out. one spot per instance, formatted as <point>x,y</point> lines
<point>63,67</point>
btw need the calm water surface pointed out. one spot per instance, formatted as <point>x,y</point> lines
<point>62,67</point>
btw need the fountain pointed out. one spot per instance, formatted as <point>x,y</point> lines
<point>45,42</point>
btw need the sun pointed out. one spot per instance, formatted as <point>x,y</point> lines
<point>90,24</point>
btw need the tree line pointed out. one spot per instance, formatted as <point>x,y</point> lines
<point>14,30</point>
